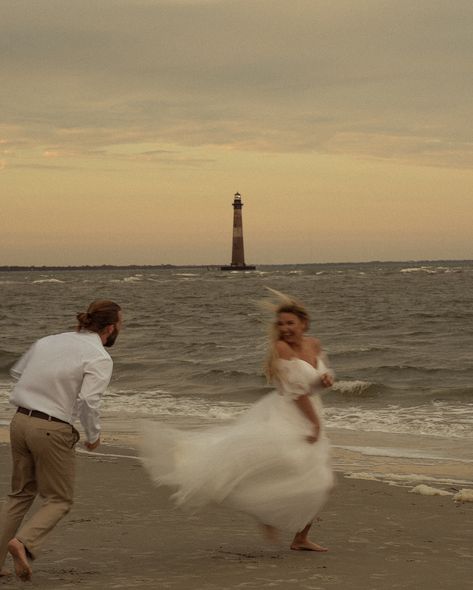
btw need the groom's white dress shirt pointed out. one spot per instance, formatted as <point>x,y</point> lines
<point>64,376</point>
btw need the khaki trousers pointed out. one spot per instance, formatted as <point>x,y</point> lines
<point>43,458</point>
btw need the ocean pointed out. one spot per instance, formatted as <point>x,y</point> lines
<point>194,340</point>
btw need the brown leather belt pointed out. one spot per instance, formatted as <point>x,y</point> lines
<point>42,415</point>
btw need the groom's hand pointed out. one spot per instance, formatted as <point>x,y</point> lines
<point>92,446</point>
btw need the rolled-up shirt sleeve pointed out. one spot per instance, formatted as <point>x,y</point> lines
<point>17,369</point>
<point>97,376</point>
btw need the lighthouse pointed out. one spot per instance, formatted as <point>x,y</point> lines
<point>238,252</point>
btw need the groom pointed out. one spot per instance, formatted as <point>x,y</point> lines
<point>59,377</point>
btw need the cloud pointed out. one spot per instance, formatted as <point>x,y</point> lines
<point>373,79</point>
<point>425,150</point>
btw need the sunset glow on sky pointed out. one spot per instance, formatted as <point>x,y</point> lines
<point>127,126</point>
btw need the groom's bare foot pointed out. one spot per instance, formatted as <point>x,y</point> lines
<point>22,567</point>
<point>307,545</point>
<point>4,572</point>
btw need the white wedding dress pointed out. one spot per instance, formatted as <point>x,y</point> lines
<point>261,463</point>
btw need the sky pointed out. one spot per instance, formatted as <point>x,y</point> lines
<point>127,125</point>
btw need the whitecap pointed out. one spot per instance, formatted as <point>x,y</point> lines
<point>48,281</point>
<point>437,419</point>
<point>133,279</point>
<point>161,404</point>
<point>355,388</point>
<point>426,269</point>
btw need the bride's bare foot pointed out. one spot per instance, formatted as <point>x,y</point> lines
<point>22,567</point>
<point>306,545</point>
<point>270,533</point>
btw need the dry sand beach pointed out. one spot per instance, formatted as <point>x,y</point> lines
<point>124,533</point>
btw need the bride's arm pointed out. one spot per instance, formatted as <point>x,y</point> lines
<point>327,378</point>
<point>306,407</point>
<point>303,401</point>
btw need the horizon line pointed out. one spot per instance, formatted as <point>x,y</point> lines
<point>32,267</point>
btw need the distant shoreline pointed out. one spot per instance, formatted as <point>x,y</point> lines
<point>16,268</point>
<point>97,267</point>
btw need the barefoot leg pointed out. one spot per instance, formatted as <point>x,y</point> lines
<point>301,541</point>
<point>308,546</point>
<point>22,567</point>
<point>4,572</point>
<point>270,533</point>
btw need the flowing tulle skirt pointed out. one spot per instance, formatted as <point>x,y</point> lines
<point>261,464</point>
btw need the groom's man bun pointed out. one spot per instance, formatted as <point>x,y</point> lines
<point>100,313</point>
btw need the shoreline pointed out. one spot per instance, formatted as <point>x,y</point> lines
<point>392,459</point>
<point>124,533</point>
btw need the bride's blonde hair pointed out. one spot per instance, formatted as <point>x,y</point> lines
<point>285,304</point>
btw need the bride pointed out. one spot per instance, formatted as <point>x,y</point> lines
<point>273,461</point>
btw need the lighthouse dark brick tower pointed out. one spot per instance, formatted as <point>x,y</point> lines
<point>238,251</point>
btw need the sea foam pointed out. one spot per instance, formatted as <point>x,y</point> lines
<point>425,490</point>
<point>465,495</point>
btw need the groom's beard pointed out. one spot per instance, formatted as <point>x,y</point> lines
<point>111,339</point>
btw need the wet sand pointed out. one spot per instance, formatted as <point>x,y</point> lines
<point>124,533</point>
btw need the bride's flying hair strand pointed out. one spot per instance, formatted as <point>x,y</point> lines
<point>284,304</point>
<point>282,298</point>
